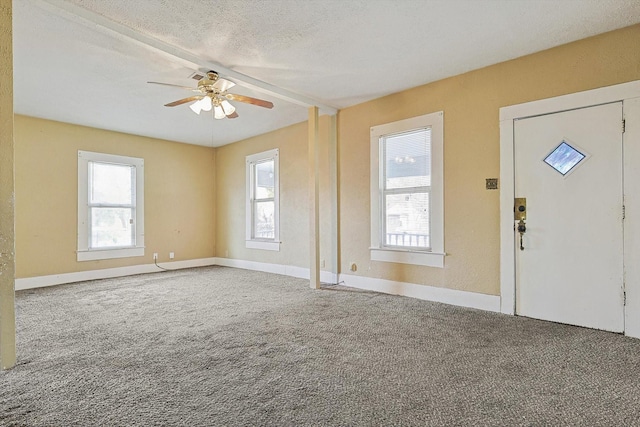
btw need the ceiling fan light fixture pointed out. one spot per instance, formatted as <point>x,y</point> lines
<point>206,104</point>
<point>212,95</point>
<point>196,107</point>
<point>227,107</point>
<point>218,112</point>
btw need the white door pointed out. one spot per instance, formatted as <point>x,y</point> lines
<point>569,167</point>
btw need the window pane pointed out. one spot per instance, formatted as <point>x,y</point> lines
<point>264,222</point>
<point>111,227</point>
<point>110,183</point>
<point>265,180</point>
<point>407,159</point>
<point>407,220</point>
<point>564,158</point>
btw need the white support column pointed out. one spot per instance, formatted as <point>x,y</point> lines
<point>334,181</point>
<point>314,201</point>
<point>7,235</point>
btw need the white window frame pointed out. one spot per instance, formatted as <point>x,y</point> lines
<point>433,257</point>
<point>85,253</point>
<point>251,162</point>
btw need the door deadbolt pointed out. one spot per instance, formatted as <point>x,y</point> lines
<point>520,209</point>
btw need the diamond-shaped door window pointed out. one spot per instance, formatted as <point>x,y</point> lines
<point>564,158</point>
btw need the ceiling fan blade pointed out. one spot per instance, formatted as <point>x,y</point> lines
<point>181,87</point>
<point>232,115</point>
<point>249,100</point>
<point>184,101</point>
<point>223,85</point>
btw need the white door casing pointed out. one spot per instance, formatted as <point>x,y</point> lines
<point>629,94</point>
<point>631,146</point>
<point>571,267</point>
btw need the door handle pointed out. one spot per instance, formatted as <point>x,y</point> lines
<point>522,228</point>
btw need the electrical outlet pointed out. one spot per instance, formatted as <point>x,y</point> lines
<point>172,255</point>
<point>322,264</point>
<point>155,256</point>
<point>354,267</point>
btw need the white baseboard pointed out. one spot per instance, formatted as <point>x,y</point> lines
<point>81,276</point>
<point>429,293</point>
<point>424,292</point>
<point>286,270</point>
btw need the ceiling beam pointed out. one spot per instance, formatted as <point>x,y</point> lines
<point>79,14</point>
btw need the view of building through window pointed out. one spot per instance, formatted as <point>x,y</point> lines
<point>111,205</point>
<point>406,188</point>
<point>264,203</point>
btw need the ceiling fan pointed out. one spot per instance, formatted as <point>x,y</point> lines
<point>212,95</point>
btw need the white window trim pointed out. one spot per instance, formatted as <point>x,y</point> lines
<point>250,242</point>
<point>84,253</point>
<point>435,256</point>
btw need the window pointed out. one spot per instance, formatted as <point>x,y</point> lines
<point>262,212</point>
<point>564,158</point>
<point>407,191</point>
<point>110,206</point>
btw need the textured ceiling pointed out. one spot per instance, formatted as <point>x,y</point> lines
<point>339,53</point>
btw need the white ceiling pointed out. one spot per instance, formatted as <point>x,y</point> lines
<point>87,61</point>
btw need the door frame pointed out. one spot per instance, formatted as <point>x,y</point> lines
<point>508,115</point>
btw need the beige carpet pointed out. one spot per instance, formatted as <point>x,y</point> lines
<point>225,347</point>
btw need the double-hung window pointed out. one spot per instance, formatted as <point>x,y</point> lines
<point>262,208</point>
<point>110,206</point>
<point>406,191</point>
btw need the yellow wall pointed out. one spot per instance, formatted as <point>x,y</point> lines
<point>179,196</point>
<point>185,215</point>
<point>471,105</point>
<point>294,187</point>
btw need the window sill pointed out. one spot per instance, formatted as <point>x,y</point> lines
<point>264,245</point>
<point>97,254</point>
<point>401,256</point>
